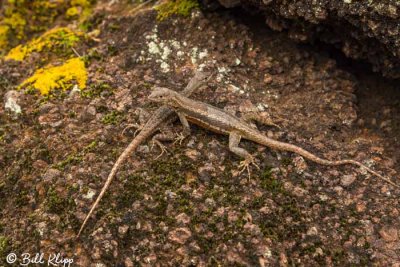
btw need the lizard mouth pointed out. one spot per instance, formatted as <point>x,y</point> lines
<point>159,94</point>
<point>154,98</point>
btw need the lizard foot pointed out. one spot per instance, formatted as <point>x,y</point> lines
<point>161,146</point>
<point>180,138</point>
<point>136,126</point>
<point>245,165</point>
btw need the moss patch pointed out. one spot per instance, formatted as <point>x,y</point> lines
<point>57,38</point>
<point>113,117</point>
<point>75,158</point>
<point>49,78</point>
<point>3,245</point>
<point>177,7</point>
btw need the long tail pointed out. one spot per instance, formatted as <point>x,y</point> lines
<point>161,115</point>
<point>298,150</point>
<point>132,146</point>
<point>349,161</point>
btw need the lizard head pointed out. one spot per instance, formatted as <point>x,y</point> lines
<point>162,95</point>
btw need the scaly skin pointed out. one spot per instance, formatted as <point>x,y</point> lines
<point>162,115</point>
<point>219,121</point>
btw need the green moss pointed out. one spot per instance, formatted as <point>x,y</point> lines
<point>54,202</point>
<point>113,117</point>
<point>269,183</point>
<point>21,198</point>
<point>177,7</point>
<point>286,161</point>
<point>75,158</point>
<point>95,90</point>
<point>90,146</point>
<point>71,159</point>
<point>4,246</point>
<point>57,204</point>
<point>133,189</point>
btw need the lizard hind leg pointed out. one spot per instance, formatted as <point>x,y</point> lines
<point>234,140</point>
<point>143,117</point>
<point>165,136</point>
<point>262,118</point>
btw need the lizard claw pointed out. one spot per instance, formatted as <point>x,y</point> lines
<point>245,165</point>
<point>180,138</point>
<point>161,146</point>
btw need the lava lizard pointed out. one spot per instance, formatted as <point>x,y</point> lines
<point>219,121</point>
<point>162,115</point>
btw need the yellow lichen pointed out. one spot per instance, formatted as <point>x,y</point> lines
<point>72,12</point>
<point>56,38</point>
<point>19,19</point>
<point>175,7</point>
<point>81,8</point>
<point>17,23</point>
<point>58,77</point>
<point>82,3</point>
<point>4,29</point>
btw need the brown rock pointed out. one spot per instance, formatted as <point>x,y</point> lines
<point>128,262</point>
<point>389,234</point>
<point>182,218</point>
<point>347,180</point>
<point>51,174</point>
<point>180,235</point>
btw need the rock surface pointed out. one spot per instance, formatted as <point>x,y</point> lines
<point>192,206</point>
<point>365,30</point>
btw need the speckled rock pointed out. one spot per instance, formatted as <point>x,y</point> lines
<point>367,30</point>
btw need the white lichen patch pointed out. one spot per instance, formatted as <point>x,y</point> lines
<point>153,48</point>
<point>234,88</point>
<point>262,107</point>
<point>180,54</point>
<point>175,44</point>
<point>237,62</point>
<point>203,54</point>
<point>164,67</point>
<point>10,99</point>
<point>170,53</point>
<point>90,194</point>
<point>41,227</point>
<point>166,52</point>
<point>193,55</point>
<point>222,74</point>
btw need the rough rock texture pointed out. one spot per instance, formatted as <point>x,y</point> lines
<point>367,30</point>
<point>192,207</point>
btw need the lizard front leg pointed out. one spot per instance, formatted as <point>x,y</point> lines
<point>234,140</point>
<point>186,128</point>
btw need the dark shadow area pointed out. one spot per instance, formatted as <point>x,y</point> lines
<point>378,98</point>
